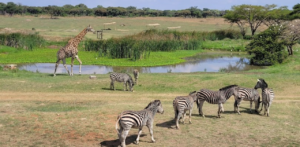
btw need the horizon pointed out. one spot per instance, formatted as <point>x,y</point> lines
<point>156,4</point>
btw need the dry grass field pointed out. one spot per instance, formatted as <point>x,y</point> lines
<point>39,110</point>
<point>67,27</point>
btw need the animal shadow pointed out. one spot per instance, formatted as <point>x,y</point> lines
<point>115,143</point>
<point>112,89</point>
<point>168,124</point>
<point>206,116</point>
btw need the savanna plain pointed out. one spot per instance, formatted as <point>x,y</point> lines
<point>37,109</point>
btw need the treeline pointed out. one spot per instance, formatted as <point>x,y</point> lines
<point>140,45</point>
<point>82,10</point>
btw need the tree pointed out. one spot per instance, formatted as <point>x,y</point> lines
<point>53,10</point>
<point>234,18</point>
<point>277,16</point>
<point>291,35</point>
<point>100,12</point>
<point>267,47</point>
<point>253,15</point>
<point>34,10</point>
<point>11,8</point>
<point>296,9</point>
<point>2,8</point>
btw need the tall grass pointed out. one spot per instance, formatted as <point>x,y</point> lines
<point>140,45</point>
<point>22,40</point>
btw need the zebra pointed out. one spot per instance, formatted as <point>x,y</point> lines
<point>216,97</point>
<point>121,77</point>
<point>137,119</point>
<point>267,95</point>
<point>181,104</point>
<point>247,94</point>
<point>136,75</point>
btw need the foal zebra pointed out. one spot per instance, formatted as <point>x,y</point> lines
<point>216,97</point>
<point>267,95</point>
<point>183,103</point>
<point>136,75</point>
<point>138,119</point>
<point>247,94</point>
<point>121,77</point>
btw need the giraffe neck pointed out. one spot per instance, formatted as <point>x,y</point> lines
<point>75,41</point>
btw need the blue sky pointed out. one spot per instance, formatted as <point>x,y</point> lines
<point>157,4</point>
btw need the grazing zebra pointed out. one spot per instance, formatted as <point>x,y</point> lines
<point>138,119</point>
<point>136,75</point>
<point>267,95</point>
<point>247,94</point>
<point>183,103</point>
<point>216,97</point>
<point>121,77</point>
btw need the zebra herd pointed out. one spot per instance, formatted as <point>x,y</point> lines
<point>137,119</point>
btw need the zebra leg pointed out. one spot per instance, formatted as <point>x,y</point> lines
<point>150,127</point>
<point>123,136</point>
<point>220,110</point>
<point>125,85</point>
<point>177,120</point>
<point>251,106</point>
<point>138,137</point>
<point>190,114</point>
<point>184,115</point>
<point>268,107</point>
<point>200,109</point>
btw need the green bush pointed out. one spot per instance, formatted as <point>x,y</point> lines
<point>267,48</point>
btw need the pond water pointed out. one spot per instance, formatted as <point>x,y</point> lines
<point>205,62</point>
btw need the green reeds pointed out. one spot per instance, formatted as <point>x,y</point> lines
<point>140,45</point>
<point>22,40</point>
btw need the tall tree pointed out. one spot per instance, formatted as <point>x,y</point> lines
<point>291,35</point>
<point>253,15</point>
<point>11,8</point>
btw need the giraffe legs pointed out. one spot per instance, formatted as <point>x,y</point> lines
<point>77,58</point>
<point>72,63</point>
<point>56,65</point>
<point>65,65</point>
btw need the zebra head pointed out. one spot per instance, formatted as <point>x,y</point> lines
<point>261,83</point>
<point>230,90</point>
<point>193,94</point>
<point>131,83</point>
<point>155,106</point>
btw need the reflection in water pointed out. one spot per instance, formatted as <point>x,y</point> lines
<point>208,62</point>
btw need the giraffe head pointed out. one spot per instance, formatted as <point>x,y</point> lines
<point>90,29</point>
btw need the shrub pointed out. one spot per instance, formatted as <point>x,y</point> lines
<point>267,48</point>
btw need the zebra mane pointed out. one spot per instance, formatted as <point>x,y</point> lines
<point>152,103</point>
<point>227,87</point>
<point>192,92</point>
<point>263,82</point>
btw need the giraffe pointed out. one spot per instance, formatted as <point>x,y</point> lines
<point>71,50</point>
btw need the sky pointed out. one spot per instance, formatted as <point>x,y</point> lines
<point>158,4</point>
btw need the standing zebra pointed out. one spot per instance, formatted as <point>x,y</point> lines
<point>138,119</point>
<point>136,75</point>
<point>267,95</point>
<point>121,77</point>
<point>216,97</point>
<point>183,103</point>
<point>247,94</point>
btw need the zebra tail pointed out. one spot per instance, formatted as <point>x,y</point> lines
<point>197,103</point>
<point>117,123</point>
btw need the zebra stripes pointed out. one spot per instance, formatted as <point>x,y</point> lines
<point>216,97</point>
<point>247,94</point>
<point>183,103</point>
<point>137,119</point>
<point>121,77</point>
<point>267,95</point>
